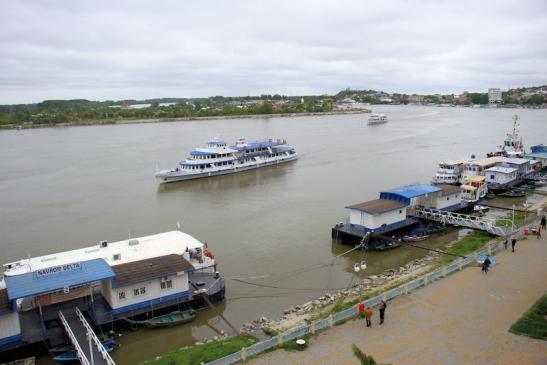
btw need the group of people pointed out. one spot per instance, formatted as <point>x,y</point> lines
<point>513,243</point>
<point>368,313</point>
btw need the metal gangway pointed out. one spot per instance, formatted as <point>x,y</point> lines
<point>89,349</point>
<point>464,220</point>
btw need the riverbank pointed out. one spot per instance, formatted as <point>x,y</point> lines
<point>185,119</point>
<point>464,318</point>
<point>374,284</point>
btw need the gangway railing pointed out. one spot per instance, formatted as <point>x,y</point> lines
<point>104,354</point>
<point>79,352</point>
<point>459,219</point>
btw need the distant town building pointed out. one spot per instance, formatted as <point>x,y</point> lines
<point>494,96</point>
<point>415,98</point>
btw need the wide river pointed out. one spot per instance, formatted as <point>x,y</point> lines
<point>65,188</point>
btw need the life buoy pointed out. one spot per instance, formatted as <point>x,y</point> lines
<point>209,254</point>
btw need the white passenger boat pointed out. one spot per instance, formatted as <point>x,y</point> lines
<point>375,119</point>
<point>218,158</point>
<point>449,172</point>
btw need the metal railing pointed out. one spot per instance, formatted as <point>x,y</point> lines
<point>403,289</point>
<point>104,354</point>
<point>79,352</point>
<point>458,219</point>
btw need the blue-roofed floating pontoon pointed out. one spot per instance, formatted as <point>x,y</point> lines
<point>57,278</point>
<point>406,193</point>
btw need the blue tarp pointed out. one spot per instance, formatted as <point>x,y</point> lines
<point>57,278</point>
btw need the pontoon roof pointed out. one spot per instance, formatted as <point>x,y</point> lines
<point>173,242</point>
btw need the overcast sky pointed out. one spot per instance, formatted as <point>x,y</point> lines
<point>103,50</point>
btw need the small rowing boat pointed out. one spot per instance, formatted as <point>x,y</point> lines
<point>71,356</point>
<point>167,320</point>
<point>415,238</point>
<point>515,193</point>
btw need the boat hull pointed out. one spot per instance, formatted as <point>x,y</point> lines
<point>167,178</point>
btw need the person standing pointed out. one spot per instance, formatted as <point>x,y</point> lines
<point>543,222</point>
<point>513,243</point>
<point>383,307</point>
<point>486,264</point>
<point>505,243</point>
<point>368,316</point>
<point>538,231</point>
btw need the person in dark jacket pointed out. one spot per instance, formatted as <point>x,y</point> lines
<point>487,264</point>
<point>513,243</point>
<point>383,307</point>
<point>543,222</point>
<point>505,243</point>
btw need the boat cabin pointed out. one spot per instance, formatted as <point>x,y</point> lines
<point>522,165</point>
<point>378,214</point>
<point>476,167</point>
<point>501,177</point>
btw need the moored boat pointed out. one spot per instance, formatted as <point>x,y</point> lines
<point>512,145</point>
<point>172,319</point>
<point>515,193</point>
<point>415,238</point>
<point>71,356</point>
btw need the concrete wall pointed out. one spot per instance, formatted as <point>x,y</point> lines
<point>9,325</point>
<point>153,290</point>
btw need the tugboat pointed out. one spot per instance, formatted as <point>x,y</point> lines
<point>512,145</point>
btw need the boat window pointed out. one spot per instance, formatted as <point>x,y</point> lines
<point>168,284</point>
<point>121,295</point>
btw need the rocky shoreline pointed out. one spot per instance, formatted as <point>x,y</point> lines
<point>301,314</point>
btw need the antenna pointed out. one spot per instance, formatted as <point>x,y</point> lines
<point>128,234</point>
<point>178,225</point>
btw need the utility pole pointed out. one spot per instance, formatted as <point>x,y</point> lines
<point>513,220</point>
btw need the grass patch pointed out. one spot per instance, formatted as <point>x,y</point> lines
<point>472,242</point>
<point>519,219</point>
<point>270,332</point>
<point>533,323</point>
<point>206,352</point>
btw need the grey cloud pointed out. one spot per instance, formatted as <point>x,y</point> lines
<point>137,49</point>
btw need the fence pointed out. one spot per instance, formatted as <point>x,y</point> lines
<point>351,312</point>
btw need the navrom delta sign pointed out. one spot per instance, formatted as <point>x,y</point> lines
<point>58,269</point>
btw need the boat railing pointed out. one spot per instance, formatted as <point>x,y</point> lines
<point>347,314</point>
<point>79,352</point>
<point>104,354</point>
<point>216,286</point>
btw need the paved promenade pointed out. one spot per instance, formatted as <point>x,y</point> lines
<point>462,319</point>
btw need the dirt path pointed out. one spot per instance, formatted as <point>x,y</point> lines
<point>463,319</point>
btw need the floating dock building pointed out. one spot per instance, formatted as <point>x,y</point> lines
<point>390,215</point>
<point>106,282</point>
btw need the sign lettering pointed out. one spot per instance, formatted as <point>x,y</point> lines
<point>58,269</point>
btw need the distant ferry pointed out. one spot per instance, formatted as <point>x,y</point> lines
<point>218,158</point>
<point>377,119</point>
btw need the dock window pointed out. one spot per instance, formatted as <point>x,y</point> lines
<point>168,284</point>
<point>121,295</point>
<point>139,291</point>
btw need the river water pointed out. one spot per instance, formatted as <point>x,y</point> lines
<point>64,188</point>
